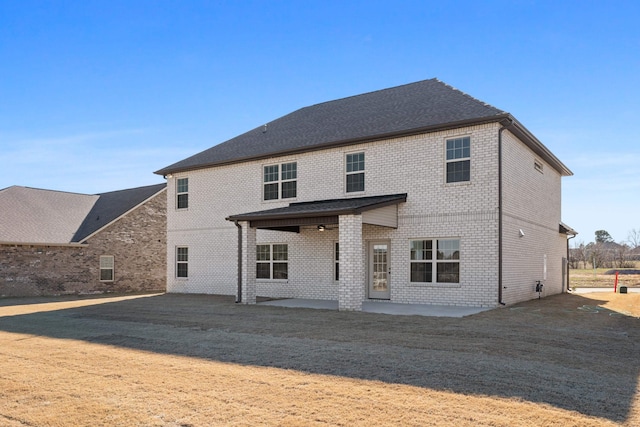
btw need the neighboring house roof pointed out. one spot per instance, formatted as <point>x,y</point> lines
<point>30,215</point>
<point>110,206</point>
<point>424,106</point>
<point>37,216</point>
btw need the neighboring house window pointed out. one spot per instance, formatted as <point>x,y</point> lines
<point>106,268</point>
<point>272,262</point>
<point>336,261</point>
<point>355,172</point>
<point>435,260</point>
<point>459,159</point>
<point>182,262</point>
<point>280,181</point>
<point>182,191</point>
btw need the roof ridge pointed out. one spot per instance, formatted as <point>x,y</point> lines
<point>50,190</point>
<point>486,104</point>
<point>164,184</point>
<point>360,94</point>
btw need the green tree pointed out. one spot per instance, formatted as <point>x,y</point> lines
<point>603,236</point>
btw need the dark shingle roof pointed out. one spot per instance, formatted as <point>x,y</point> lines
<point>112,205</point>
<point>33,215</point>
<point>423,105</point>
<point>323,208</point>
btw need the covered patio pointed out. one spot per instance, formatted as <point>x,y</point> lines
<point>348,214</point>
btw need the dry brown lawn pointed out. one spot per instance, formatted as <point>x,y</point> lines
<point>587,278</point>
<point>187,360</point>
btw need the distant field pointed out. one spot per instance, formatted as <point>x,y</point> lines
<point>588,278</point>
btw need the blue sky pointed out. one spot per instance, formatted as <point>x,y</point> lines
<point>96,95</point>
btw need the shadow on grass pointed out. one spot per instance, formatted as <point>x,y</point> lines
<point>564,351</point>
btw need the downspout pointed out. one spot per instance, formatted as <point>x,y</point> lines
<point>510,122</point>
<point>568,269</point>
<point>239,296</point>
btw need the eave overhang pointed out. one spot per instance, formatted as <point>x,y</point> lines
<point>333,144</point>
<point>565,229</point>
<point>507,120</point>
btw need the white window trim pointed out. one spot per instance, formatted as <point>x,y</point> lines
<point>271,261</point>
<point>279,181</point>
<point>447,161</point>
<point>112,268</point>
<point>179,193</point>
<point>434,261</point>
<point>364,172</point>
<point>181,262</point>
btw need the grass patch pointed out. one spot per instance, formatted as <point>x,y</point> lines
<point>589,278</point>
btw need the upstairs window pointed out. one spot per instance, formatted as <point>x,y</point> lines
<point>435,261</point>
<point>280,181</point>
<point>458,159</point>
<point>182,193</point>
<point>106,268</point>
<point>355,172</point>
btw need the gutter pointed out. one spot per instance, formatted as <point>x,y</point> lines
<point>239,296</point>
<point>505,125</point>
<point>175,168</point>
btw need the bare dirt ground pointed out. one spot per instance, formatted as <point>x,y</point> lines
<point>194,360</point>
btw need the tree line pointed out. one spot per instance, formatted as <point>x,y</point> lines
<point>604,252</point>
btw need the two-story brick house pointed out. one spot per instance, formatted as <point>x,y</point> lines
<point>413,194</point>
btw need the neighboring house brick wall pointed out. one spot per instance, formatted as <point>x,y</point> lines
<point>137,241</point>
<point>531,203</point>
<point>413,165</point>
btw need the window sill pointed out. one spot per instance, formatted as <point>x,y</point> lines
<point>434,285</point>
<point>272,280</point>
<point>458,183</point>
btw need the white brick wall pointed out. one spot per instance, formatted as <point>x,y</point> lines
<point>531,203</point>
<point>413,165</point>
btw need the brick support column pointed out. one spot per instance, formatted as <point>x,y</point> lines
<point>352,260</point>
<point>248,263</point>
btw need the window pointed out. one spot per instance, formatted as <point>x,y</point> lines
<point>182,192</point>
<point>182,262</point>
<point>336,261</point>
<point>355,172</point>
<point>459,159</point>
<point>280,181</point>
<point>436,260</point>
<point>272,262</point>
<point>106,268</point>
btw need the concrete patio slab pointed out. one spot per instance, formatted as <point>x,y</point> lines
<point>382,307</point>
